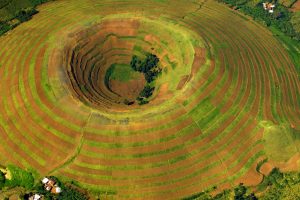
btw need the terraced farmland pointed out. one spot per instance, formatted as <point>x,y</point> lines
<point>225,77</point>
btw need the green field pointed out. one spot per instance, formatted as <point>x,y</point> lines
<point>123,73</point>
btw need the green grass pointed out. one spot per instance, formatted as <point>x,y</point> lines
<point>281,142</point>
<point>122,73</point>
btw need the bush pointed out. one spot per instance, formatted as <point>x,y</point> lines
<point>4,27</point>
<point>26,14</point>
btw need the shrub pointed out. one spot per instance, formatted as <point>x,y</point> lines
<point>4,27</point>
<point>25,14</point>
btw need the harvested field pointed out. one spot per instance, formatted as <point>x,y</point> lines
<point>221,89</point>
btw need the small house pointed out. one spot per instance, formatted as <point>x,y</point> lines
<point>35,197</point>
<point>269,7</point>
<point>51,186</point>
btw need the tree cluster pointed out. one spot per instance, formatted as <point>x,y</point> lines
<point>149,67</point>
<point>21,15</point>
<point>26,14</point>
<point>4,27</point>
<point>280,19</point>
<point>145,93</point>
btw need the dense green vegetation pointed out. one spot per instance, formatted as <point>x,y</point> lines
<point>149,67</point>
<point>277,185</point>
<point>19,177</point>
<point>13,13</point>
<point>280,19</point>
<point>145,93</point>
<point>30,181</point>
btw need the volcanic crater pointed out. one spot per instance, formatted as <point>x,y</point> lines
<point>92,52</point>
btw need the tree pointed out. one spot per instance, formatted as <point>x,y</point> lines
<point>26,14</point>
<point>148,66</point>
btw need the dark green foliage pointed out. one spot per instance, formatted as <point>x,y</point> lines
<point>149,63</point>
<point>280,185</point>
<point>19,177</point>
<point>142,101</point>
<point>23,11</point>
<point>152,74</point>
<point>26,14</point>
<point>280,19</point>
<point>2,179</point>
<point>70,192</point>
<point>148,66</point>
<point>147,91</point>
<point>135,62</point>
<point>4,27</point>
<point>240,193</point>
<point>38,2</point>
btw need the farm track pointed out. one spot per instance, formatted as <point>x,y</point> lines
<point>204,133</point>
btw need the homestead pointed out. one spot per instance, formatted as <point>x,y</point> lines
<point>269,7</point>
<point>51,185</point>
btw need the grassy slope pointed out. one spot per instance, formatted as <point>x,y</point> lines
<point>123,73</point>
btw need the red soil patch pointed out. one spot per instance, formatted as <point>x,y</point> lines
<point>182,82</point>
<point>266,168</point>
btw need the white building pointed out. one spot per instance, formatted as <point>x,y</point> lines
<point>269,7</point>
